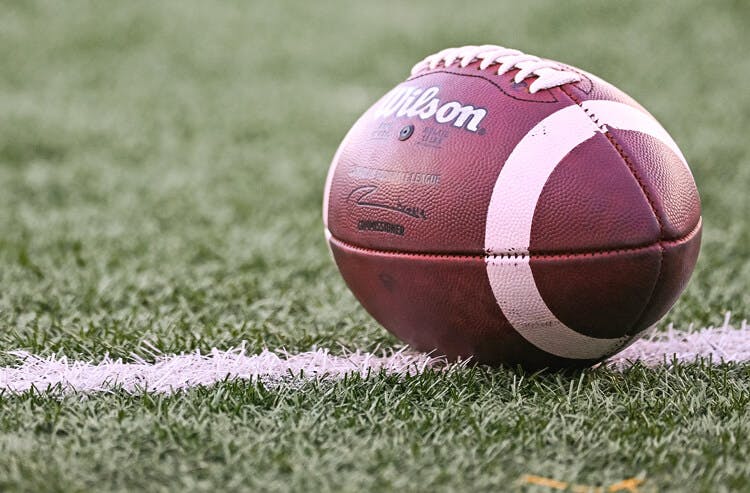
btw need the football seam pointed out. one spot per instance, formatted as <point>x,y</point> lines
<point>623,156</point>
<point>660,269</point>
<point>480,76</point>
<point>626,159</point>
<point>661,244</point>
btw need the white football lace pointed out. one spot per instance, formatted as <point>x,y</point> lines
<point>549,74</point>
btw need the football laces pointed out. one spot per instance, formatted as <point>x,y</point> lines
<point>548,74</point>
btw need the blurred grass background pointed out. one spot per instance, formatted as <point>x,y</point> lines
<point>161,171</point>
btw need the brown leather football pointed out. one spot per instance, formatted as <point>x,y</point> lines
<point>513,210</point>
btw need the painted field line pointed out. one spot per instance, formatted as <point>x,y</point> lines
<point>719,344</point>
<point>169,373</point>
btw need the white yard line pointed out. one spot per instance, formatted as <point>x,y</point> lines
<point>728,343</point>
<point>168,373</point>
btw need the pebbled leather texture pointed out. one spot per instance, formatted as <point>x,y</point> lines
<point>614,237</point>
<point>439,303</point>
<point>446,172</point>
<point>570,218</point>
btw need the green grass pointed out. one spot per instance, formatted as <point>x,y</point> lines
<point>161,170</point>
<point>470,429</point>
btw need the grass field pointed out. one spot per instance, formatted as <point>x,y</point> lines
<point>161,172</point>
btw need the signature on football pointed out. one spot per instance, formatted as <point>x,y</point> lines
<point>362,197</point>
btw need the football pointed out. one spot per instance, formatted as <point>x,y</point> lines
<point>510,209</point>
